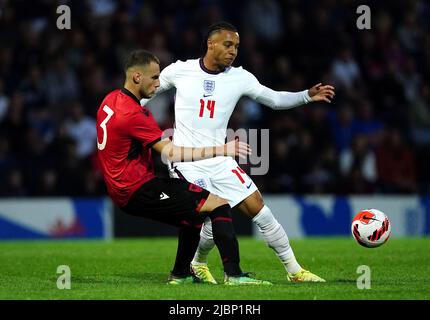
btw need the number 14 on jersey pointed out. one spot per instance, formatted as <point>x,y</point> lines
<point>210,105</point>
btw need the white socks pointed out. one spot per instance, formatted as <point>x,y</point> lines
<point>276,238</point>
<point>206,244</point>
<point>273,233</point>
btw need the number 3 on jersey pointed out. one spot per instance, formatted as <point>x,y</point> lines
<point>109,113</point>
<point>210,106</point>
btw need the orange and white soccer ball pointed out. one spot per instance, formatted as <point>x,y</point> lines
<point>371,228</point>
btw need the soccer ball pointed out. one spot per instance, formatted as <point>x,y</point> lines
<point>371,228</point>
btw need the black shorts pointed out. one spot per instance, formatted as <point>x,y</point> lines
<point>172,201</point>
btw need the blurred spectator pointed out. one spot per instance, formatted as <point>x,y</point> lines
<point>34,90</point>
<point>4,101</point>
<point>48,184</point>
<point>367,123</point>
<point>52,82</point>
<point>356,183</point>
<point>345,70</point>
<point>70,170</point>
<point>7,160</point>
<point>158,46</point>
<point>61,82</point>
<point>281,175</point>
<point>82,129</point>
<point>15,125</point>
<point>319,127</point>
<point>14,185</point>
<point>324,174</point>
<point>102,8</point>
<point>36,157</point>
<point>395,164</point>
<point>359,157</point>
<point>410,80</point>
<point>302,161</point>
<point>342,126</point>
<point>264,17</point>
<point>419,116</point>
<point>409,32</point>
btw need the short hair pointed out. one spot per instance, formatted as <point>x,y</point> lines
<point>140,58</point>
<point>218,26</point>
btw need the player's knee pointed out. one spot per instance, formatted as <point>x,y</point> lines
<point>221,213</point>
<point>222,227</point>
<point>252,205</point>
<point>258,199</point>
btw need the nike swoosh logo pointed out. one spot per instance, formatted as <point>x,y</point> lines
<point>369,218</point>
<point>250,184</point>
<point>207,95</point>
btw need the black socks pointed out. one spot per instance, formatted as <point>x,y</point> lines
<point>225,239</point>
<point>188,240</point>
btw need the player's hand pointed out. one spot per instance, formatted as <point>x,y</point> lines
<point>236,148</point>
<point>321,92</point>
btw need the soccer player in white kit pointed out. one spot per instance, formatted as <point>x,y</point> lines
<point>207,91</point>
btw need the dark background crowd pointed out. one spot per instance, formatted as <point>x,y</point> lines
<point>373,138</point>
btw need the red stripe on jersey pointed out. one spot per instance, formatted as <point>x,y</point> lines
<point>195,188</point>
<point>200,205</point>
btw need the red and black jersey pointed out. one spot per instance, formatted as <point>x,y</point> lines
<point>125,133</point>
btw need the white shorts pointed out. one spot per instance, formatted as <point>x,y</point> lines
<point>221,176</point>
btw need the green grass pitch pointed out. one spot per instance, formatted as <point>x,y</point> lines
<point>138,268</point>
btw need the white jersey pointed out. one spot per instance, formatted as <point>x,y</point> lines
<point>205,100</point>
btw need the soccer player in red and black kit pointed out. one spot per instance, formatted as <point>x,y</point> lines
<point>126,133</point>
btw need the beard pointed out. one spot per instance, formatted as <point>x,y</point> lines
<point>145,95</point>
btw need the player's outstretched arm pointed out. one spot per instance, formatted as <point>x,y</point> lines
<point>320,92</point>
<point>282,100</point>
<point>174,153</point>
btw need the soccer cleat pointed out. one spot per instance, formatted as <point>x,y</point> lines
<point>243,280</point>
<point>304,276</point>
<point>202,273</point>
<point>173,280</point>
